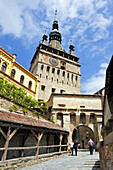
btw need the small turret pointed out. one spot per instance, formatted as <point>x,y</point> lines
<point>71,47</point>
<point>44,38</point>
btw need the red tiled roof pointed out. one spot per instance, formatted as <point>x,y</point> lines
<point>27,120</point>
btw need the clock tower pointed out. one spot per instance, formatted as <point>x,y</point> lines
<point>59,72</point>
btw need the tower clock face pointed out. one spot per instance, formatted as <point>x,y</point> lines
<point>53,61</point>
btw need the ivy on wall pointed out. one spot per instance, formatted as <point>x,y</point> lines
<point>19,96</point>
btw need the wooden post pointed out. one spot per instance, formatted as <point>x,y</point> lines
<point>61,136</point>
<point>6,144</point>
<point>39,138</point>
<point>8,138</point>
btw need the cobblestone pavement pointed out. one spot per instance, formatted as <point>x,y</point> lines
<point>83,161</point>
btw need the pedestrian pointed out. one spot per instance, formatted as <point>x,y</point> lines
<point>75,146</point>
<point>71,146</point>
<point>91,146</point>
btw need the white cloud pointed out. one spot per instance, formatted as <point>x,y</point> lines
<point>96,82</point>
<point>24,18</point>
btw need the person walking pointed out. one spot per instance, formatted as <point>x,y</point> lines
<point>91,146</point>
<point>75,146</point>
<point>71,146</point>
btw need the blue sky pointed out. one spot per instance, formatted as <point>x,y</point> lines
<point>89,23</point>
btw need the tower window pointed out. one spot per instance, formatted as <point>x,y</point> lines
<point>21,79</point>
<point>63,65</point>
<point>52,79</point>
<point>62,91</point>
<point>40,75</point>
<point>63,74</point>
<point>76,78</point>
<point>30,84</point>
<point>57,81</point>
<point>42,87</point>
<point>53,70</point>
<point>58,72</point>
<point>53,90</point>
<point>68,75</point>
<point>13,73</point>
<point>46,77</point>
<point>42,67</point>
<point>48,68</point>
<point>4,65</point>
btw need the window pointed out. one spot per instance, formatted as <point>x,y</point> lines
<point>62,65</point>
<point>57,81</point>
<point>53,90</point>
<point>63,74</point>
<point>40,75</point>
<point>30,84</point>
<point>62,91</point>
<point>73,118</point>
<point>4,65</point>
<point>76,78</point>
<point>53,70</point>
<point>46,77</point>
<point>82,118</point>
<point>92,118</point>
<point>68,75</point>
<point>58,72</point>
<point>21,79</point>
<point>13,73</point>
<point>42,67</point>
<point>42,87</point>
<point>48,68</point>
<point>52,79</point>
<point>62,82</point>
<point>72,77</point>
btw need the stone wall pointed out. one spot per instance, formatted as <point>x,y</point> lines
<point>106,153</point>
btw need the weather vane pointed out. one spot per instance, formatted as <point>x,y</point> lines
<point>71,42</point>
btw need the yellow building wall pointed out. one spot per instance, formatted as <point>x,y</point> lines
<point>9,59</point>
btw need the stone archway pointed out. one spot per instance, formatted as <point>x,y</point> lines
<point>83,133</point>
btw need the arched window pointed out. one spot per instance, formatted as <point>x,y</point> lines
<point>63,74</point>
<point>13,73</point>
<point>92,118</point>
<point>21,79</point>
<point>30,84</point>
<point>42,67</point>
<point>48,68</point>
<point>73,118</point>
<point>82,118</point>
<point>4,65</point>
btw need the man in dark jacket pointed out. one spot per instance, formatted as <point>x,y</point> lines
<point>75,146</point>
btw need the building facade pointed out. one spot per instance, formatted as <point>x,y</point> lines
<point>59,72</point>
<point>80,114</point>
<point>17,74</point>
<point>106,146</point>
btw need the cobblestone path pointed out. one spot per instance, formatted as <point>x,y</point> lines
<point>83,161</point>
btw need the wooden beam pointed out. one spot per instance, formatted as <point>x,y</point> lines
<point>61,136</point>
<point>34,134</point>
<point>39,138</point>
<point>6,144</point>
<point>13,133</point>
<point>3,133</point>
<point>32,147</point>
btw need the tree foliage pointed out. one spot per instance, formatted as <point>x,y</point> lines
<point>20,96</point>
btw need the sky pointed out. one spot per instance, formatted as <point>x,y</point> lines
<point>88,23</point>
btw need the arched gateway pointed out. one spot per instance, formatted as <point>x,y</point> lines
<point>83,133</point>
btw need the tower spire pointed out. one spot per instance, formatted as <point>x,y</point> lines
<point>55,14</point>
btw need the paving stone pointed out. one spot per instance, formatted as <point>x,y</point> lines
<point>83,161</point>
